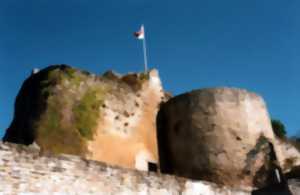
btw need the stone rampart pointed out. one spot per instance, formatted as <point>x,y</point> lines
<point>24,171</point>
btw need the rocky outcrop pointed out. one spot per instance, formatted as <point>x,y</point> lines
<point>223,135</point>
<point>109,118</point>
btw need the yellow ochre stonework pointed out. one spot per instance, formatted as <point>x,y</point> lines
<point>109,118</point>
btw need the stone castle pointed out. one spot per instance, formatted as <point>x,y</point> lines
<point>129,136</point>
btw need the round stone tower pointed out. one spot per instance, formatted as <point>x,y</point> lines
<point>223,135</point>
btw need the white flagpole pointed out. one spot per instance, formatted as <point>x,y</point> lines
<point>145,51</point>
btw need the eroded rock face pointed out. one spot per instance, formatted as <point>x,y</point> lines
<point>222,135</point>
<point>288,154</point>
<point>108,118</point>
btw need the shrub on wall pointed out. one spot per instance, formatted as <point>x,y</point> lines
<point>278,128</point>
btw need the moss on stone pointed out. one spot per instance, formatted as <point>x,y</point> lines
<point>136,81</point>
<point>144,76</point>
<point>87,111</point>
<point>55,137</point>
<point>68,109</point>
<point>58,76</point>
<point>74,77</point>
<point>54,77</point>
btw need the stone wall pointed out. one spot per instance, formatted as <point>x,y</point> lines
<point>224,132</point>
<point>109,118</point>
<point>126,132</point>
<point>24,171</point>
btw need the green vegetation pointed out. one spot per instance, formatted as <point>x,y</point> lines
<point>67,122</point>
<point>87,111</point>
<point>55,137</point>
<point>57,76</point>
<point>144,76</point>
<point>278,128</point>
<point>74,77</point>
<point>53,78</point>
<point>135,81</point>
<point>70,72</point>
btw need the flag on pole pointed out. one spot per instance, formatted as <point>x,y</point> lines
<point>140,34</point>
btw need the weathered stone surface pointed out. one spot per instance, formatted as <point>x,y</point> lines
<point>222,135</point>
<point>109,118</point>
<point>288,155</point>
<point>25,171</point>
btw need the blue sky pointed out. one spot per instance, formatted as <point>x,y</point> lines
<point>194,44</point>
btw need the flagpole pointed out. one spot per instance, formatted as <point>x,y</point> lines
<point>145,51</point>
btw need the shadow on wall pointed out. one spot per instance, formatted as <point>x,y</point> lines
<point>162,141</point>
<point>29,104</point>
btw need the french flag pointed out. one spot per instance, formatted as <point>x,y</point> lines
<point>140,34</point>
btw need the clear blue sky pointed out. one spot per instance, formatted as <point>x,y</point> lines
<point>194,44</point>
